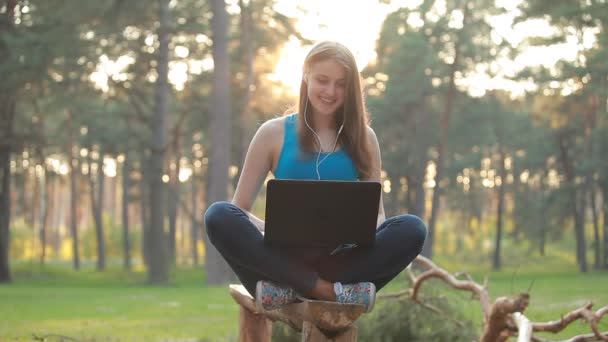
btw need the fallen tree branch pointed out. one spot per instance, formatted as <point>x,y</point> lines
<point>585,313</point>
<point>433,271</point>
<point>505,316</point>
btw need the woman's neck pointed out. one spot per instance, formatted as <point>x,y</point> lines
<point>323,122</point>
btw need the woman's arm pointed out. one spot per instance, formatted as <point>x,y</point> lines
<point>258,162</point>
<point>376,174</point>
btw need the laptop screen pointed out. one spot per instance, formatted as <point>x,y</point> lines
<point>321,213</point>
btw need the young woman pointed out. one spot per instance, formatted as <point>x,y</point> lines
<point>327,139</point>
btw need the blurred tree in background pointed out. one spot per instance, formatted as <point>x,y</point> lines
<point>120,121</point>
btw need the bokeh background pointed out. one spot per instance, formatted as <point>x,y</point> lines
<point>122,120</point>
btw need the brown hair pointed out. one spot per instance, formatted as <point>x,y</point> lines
<point>354,136</point>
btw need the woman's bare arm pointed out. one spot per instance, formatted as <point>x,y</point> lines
<point>376,174</point>
<point>258,162</point>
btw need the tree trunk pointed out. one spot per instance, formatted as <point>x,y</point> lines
<point>74,166</point>
<point>589,117</point>
<point>247,59</point>
<point>605,203</point>
<point>421,127</point>
<point>158,270</point>
<point>97,209</point>
<point>7,118</point>
<point>174,193</point>
<point>32,220</point>
<point>218,271</point>
<point>444,127</point>
<point>597,253</point>
<point>496,262</point>
<point>173,197</point>
<point>144,204</point>
<point>542,222</point>
<point>579,231</point>
<point>194,225</point>
<point>126,239</point>
<point>5,209</point>
<point>49,187</point>
<point>7,115</point>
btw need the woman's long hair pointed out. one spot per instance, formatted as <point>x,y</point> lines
<point>355,119</point>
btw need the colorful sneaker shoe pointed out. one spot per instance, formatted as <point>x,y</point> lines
<point>359,293</point>
<point>270,296</point>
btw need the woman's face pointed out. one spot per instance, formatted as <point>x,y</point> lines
<point>326,84</point>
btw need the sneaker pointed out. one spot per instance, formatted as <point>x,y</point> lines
<point>359,293</point>
<point>270,296</point>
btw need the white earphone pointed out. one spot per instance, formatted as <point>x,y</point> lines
<point>318,162</point>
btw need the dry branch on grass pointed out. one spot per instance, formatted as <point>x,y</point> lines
<point>505,316</point>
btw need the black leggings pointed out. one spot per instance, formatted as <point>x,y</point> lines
<point>398,241</point>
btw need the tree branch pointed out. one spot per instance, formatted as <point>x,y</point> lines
<point>505,316</point>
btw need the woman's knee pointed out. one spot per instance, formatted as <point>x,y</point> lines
<point>414,230</point>
<point>215,215</point>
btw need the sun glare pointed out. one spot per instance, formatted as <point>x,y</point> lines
<point>359,27</point>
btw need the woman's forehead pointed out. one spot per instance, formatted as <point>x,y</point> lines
<point>328,67</point>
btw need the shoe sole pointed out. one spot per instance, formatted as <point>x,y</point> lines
<point>258,296</point>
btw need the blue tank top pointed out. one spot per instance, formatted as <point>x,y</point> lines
<point>296,164</point>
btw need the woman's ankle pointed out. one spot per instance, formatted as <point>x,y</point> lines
<point>323,290</point>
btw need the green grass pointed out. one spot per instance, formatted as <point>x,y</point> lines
<point>118,306</point>
<point>113,306</point>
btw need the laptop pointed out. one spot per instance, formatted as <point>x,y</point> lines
<point>330,214</point>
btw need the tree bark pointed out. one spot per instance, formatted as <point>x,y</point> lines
<point>444,127</point>
<point>7,108</point>
<point>605,202</point>
<point>74,170</point>
<point>174,193</point>
<point>579,231</point>
<point>194,225</point>
<point>218,271</point>
<point>247,58</point>
<point>158,269</point>
<point>126,239</point>
<point>7,118</point>
<point>97,209</point>
<point>496,262</point>
<point>46,211</point>
<point>144,204</point>
<point>173,200</point>
<point>542,222</point>
<point>597,253</point>
<point>421,127</point>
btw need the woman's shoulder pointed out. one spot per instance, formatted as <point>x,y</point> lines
<point>274,125</point>
<point>272,130</point>
<point>371,134</point>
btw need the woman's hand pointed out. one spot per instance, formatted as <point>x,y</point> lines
<point>381,219</point>
<point>257,222</point>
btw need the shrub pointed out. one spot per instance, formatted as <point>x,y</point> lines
<point>405,320</point>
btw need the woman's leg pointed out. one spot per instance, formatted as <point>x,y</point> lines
<point>398,241</point>
<point>238,240</point>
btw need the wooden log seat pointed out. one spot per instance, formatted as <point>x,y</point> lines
<point>316,320</point>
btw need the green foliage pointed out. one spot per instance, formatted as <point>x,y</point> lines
<point>405,320</point>
<point>395,320</point>
<point>113,238</point>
